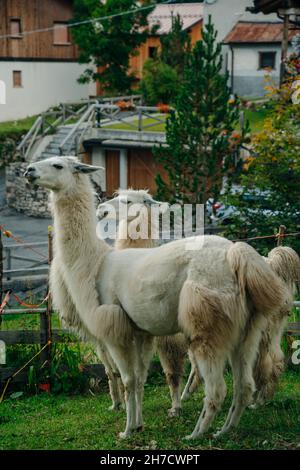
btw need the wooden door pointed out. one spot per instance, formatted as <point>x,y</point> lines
<point>142,170</point>
<point>112,171</point>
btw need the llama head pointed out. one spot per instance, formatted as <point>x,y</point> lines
<point>128,203</point>
<point>58,173</point>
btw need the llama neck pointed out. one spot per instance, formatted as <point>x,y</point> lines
<point>75,224</point>
<point>125,241</point>
<point>78,251</point>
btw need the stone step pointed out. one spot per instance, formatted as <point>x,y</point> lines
<point>63,131</point>
<point>48,155</point>
<point>51,151</point>
<point>56,141</point>
<point>53,147</point>
<point>64,128</point>
<point>61,135</point>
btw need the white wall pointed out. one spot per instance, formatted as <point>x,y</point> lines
<point>248,78</point>
<point>98,159</point>
<point>44,84</point>
<point>226,13</point>
<point>246,60</point>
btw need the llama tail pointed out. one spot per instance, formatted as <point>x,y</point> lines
<point>257,280</point>
<point>285,262</point>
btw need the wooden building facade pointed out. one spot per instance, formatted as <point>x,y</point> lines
<point>18,16</point>
<point>39,68</point>
<point>127,162</point>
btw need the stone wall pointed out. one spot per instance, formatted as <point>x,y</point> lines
<point>21,196</point>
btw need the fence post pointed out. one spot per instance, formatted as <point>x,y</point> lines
<point>1,271</point>
<point>140,120</point>
<point>45,318</point>
<point>8,261</point>
<point>280,235</point>
<point>63,112</point>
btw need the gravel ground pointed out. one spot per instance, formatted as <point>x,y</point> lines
<point>28,229</point>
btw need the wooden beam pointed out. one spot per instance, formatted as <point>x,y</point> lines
<point>26,283</point>
<point>90,370</point>
<point>26,271</point>
<point>284,47</point>
<point>293,329</point>
<point>35,337</point>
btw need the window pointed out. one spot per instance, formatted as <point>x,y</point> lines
<point>17,78</point>
<point>15,28</point>
<point>267,60</point>
<point>152,52</point>
<point>61,34</point>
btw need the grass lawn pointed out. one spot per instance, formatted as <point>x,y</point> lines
<point>256,119</point>
<point>20,126</point>
<point>84,422</point>
<point>156,127</point>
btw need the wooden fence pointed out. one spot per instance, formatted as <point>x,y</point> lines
<point>46,333</point>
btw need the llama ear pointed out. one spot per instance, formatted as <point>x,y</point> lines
<point>154,202</point>
<point>83,168</point>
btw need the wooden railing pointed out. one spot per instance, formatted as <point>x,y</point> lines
<point>33,265</point>
<point>65,113</point>
<point>97,115</point>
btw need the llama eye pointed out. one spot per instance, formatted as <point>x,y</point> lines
<point>58,166</point>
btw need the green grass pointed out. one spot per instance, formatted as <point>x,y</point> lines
<point>158,127</point>
<point>256,118</point>
<point>84,422</point>
<point>19,126</point>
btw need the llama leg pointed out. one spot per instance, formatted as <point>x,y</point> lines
<point>243,394</point>
<point>113,376</point>
<point>270,362</point>
<point>69,316</point>
<point>172,352</point>
<point>212,370</point>
<point>125,358</point>
<point>193,381</point>
<point>242,361</point>
<point>145,351</point>
<point>186,392</point>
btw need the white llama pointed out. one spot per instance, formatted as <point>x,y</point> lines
<point>172,350</point>
<point>220,295</point>
<point>270,363</point>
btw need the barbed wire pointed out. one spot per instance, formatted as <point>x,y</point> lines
<point>47,345</point>
<point>7,233</point>
<point>275,235</point>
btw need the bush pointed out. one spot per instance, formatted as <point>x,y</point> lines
<point>272,174</point>
<point>160,82</point>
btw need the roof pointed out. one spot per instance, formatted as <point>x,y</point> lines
<point>257,32</point>
<point>190,13</point>
<point>269,6</point>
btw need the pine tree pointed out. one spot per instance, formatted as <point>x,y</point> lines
<point>200,131</point>
<point>175,46</point>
